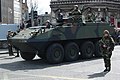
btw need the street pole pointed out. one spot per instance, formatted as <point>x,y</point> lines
<point>8,17</point>
<point>31,4</point>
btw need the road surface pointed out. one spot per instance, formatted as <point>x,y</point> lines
<point>12,68</point>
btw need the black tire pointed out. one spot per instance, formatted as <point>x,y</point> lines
<point>4,45</point>
<point>87,50</point>
<point>55,53</point>
<point>71,52</point>
<point>28,56</point>
<point>97,50</point>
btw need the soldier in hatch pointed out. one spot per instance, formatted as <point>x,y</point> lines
<point>75,15</point>
<point>107,46</point>
<point>60,16</point>
<point>76,11</point>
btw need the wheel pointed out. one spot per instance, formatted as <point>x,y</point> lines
<point>71,52</point>
<point>55,53</point>
<point>87,49</point>
<point>4,45</point>
<point>27,56</point>
<point>97,50</point>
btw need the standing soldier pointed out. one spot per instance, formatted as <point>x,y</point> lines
<point>17,50</point>
<point>107,46</point>
<point>9,43</point>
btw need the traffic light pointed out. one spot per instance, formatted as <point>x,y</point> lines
<point>35,14</point>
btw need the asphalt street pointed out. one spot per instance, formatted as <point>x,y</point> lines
<point>12,68</point>
<point>3,51</point>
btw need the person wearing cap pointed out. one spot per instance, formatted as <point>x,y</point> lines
<point>48,24</point>
<point>107,46</point>
<point>76,11</point>
<point>17,50</point>
<point>60,16</point>
<point>9,35</point>
<point>75,15</point>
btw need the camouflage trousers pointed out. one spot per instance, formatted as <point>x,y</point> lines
<point>107,59</point>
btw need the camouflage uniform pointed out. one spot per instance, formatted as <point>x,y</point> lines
<point>9,43</point>
<point>107,51</point>
<point>10,46</point>
<point>76,15</point>
<point>75,12</point>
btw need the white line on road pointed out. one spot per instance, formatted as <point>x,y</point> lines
<point>53,77</point>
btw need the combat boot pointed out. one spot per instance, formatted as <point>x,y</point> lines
<point>105,69</point>
<point>108,69</point>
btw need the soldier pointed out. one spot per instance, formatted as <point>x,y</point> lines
<point>10,46</point>
<point>48,24</point>
<point>75,15</point>
<point>17,50</point>
<point>9,43</point>
<point>76,11</point>
<point>60,16</point>
<point>107,46</point>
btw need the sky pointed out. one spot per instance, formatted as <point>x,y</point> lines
<point>43,5</point>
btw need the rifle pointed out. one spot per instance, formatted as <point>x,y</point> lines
<point>104,48</point>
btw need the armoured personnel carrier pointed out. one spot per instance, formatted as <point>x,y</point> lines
<point>66,40</point>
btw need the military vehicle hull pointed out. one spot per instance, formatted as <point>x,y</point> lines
<point>54,44</point>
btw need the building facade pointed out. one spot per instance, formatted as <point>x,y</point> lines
<point>101,8</point>
<point>13,11</point>
<point>25,12</point>
<point>7,11</point>
<point>17,11</point>
<point>20,11</point>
